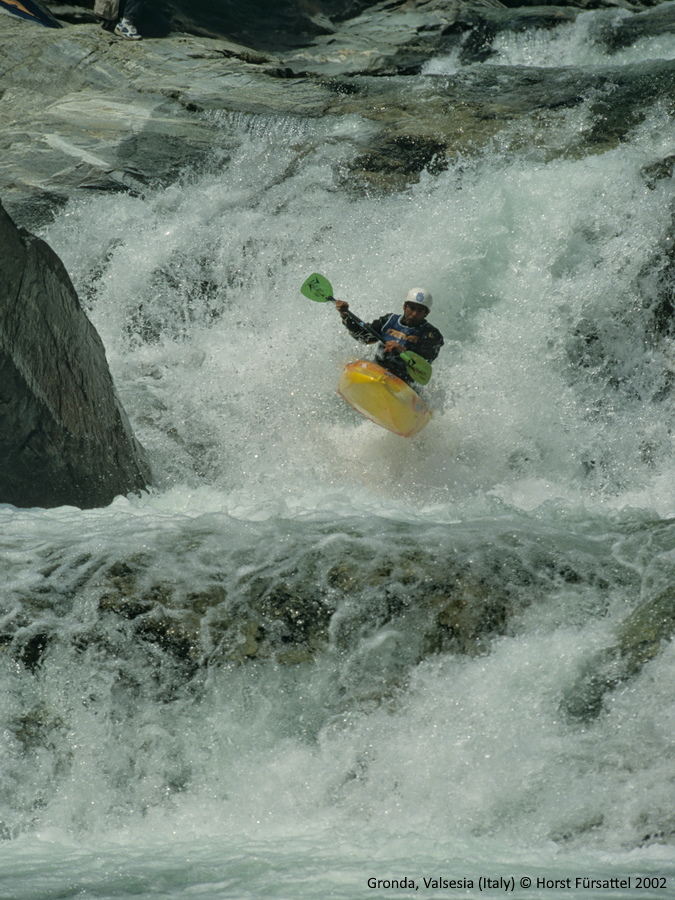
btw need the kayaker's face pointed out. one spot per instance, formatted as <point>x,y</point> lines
<point>414,313</point>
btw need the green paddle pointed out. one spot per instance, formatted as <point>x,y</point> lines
<point>318,288</point>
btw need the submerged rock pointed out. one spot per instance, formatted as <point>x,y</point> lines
<point>289,603</point>
<point>64,436</point>
<point>639,640</point>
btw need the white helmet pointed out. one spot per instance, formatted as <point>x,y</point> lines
<point>419,295</point>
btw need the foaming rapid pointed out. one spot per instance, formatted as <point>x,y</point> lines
<point>547,304</point>
<point>588,41</point>
<point>150,746</point>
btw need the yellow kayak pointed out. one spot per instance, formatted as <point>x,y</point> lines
<point>383,398</point>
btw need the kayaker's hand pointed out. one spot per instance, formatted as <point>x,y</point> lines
<point>342,306</point>
<point>393,347</point>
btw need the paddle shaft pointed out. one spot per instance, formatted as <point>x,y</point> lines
<point>360,323</point>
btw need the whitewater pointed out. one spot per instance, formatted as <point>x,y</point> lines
<point>378,764</point>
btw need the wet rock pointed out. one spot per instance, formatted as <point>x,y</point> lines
<point>82,111</point>
<point>85,112</point>
<point>64,436</point>
<point>159,620</point>
<point>657,171</point>
<point>389,38</point>
<point>425,123</point>
<point>469,615</point>
<point>434,603</point>
<point>641,634</point>
<point>399,38</point>
<point>400,159</point>
<point>32,651</point>
<point>274,618</point>
<point>653,23</point>
<point>639,639</point>
<point>479,28</point>
<point>600,674</point>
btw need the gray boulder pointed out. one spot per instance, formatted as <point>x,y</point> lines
<point>64,437</point>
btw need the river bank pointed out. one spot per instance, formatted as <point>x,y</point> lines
<point>84,112</point>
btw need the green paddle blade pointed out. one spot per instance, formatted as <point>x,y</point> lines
<point>417,366</point>
<point>317,288</point>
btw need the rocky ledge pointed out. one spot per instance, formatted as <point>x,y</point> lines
<point>82,110</point>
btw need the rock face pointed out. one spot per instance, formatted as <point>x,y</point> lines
<point>64,437</point>
<point>83,111</point>
<point>259,23</point>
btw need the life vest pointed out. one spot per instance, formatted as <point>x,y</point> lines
<point>395,330</point>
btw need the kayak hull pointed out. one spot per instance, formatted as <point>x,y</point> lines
<point>383,398</point>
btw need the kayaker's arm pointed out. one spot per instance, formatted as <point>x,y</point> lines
<point>360,334</point>
<point>429,343</point>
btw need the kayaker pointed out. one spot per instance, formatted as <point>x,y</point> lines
<point>411,331</point>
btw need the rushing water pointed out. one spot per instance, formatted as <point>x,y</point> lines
<point>547,474</point>
<point>583,43</point>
